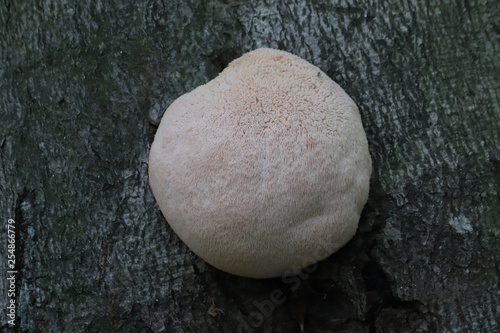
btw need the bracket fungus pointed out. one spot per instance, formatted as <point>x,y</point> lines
<point>265,169</point>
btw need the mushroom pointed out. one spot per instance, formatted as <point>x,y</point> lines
<point>265,169</point>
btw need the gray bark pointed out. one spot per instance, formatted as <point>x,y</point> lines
<point>83,85</point>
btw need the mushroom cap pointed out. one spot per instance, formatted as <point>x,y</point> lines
<point>265,169</point>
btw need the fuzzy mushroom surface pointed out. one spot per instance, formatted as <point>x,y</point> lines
<point>265,169</point>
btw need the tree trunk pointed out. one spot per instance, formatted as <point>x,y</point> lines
<point>83,87</point>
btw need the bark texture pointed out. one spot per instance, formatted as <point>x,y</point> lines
<point>84,84</point>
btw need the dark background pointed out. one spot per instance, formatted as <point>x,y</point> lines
<point>83,85</point>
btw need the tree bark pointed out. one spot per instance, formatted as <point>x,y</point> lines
<point>83,87</point>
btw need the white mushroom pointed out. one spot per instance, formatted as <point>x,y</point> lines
<point>263,170</point>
